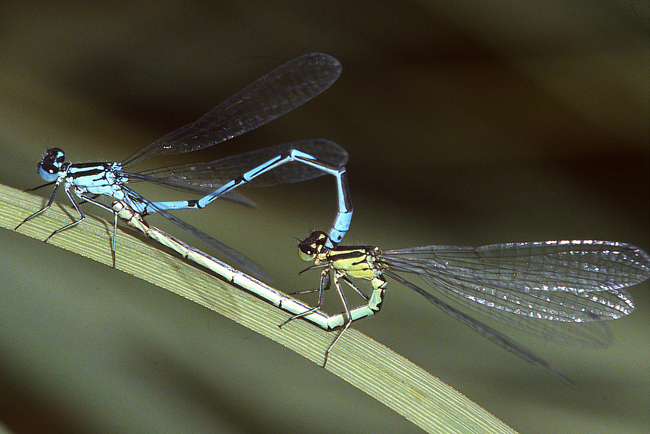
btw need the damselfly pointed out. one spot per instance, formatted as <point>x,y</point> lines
<point>269,97</point>
<point>530,285</point>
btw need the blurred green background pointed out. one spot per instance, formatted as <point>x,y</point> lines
<point>466,123</point>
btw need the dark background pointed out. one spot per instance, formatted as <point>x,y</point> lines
<point>466,123</point>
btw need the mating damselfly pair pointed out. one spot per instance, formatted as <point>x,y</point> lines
<point>530,285</point>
